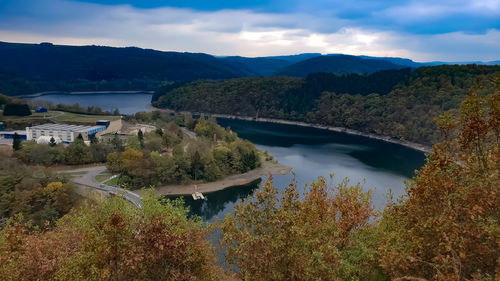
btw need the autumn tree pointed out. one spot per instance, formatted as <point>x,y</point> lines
<point>111,241</point>
<point>448,227</point>
<point>326,235</point>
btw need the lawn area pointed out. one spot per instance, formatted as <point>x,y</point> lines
<point>19,122</point>
<point>113,181</point>
<point>82,118</point>
<point>103,176</point>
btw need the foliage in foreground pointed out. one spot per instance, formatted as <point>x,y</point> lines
<point>326,235</point>
<point>448,228</point>
<point>112,241</point>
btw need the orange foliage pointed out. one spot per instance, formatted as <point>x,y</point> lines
<point>448,227</point>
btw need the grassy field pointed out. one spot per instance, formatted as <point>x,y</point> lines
<point>82,118</point>
<point>113,181</point>
<point>54,117</point>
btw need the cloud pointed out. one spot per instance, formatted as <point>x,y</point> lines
<point>250,32</point>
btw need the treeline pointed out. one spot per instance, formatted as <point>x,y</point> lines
<point>14,85</point>
<point>76,153</point>
<point>396,103</point>
<point>164,156</point>
<point>35,193</point>
<point>167,156</point>
<point>446,227</point>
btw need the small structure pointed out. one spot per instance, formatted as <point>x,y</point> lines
<point>40,109</point>
<point>10,134</point>
<point>198,196</point>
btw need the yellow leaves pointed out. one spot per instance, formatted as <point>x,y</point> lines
<point>54,186</point>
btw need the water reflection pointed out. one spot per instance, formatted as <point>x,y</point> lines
<point>220,202</point>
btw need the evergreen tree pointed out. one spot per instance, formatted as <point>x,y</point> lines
<point>140,136</point>
<point>79,139</point>
<point>16,144</point>
<point>93,139</point>
<point>52,142</point>
<point>117,143</point>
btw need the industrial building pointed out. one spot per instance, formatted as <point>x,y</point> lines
<point>66,133</point>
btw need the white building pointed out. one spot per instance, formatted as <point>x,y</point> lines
<point>66,133</point>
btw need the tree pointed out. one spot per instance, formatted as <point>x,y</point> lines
<point>112,241</point>
<point>16,142</point>
<point>448,227</point>
<point>326,235</point>
<point>14,109</point>
<point>140,137</point>
<point>116,112</point>
<point>52,142</point>
<point>196,165</point>
<point>79,139</point>
<point>93,139</point>
<point>117,143</point>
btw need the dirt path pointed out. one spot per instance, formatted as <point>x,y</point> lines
<point>268,168</point>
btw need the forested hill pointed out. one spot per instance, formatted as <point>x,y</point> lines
<point>397,103</point>
<point>57,62</point>
<point>337,64</point>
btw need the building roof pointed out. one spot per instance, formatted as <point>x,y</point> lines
<point>66,127</point>
<point>13,132</point>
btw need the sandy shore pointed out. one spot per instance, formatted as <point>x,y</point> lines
<point>267,168</point>
<point>412,145</point>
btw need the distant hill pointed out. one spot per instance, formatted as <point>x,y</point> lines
<point>398,61</point>
<point>264,66</point>
<point>337,64</point>
<point>56,62</point>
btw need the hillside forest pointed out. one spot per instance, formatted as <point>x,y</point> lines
<point>400,103</point>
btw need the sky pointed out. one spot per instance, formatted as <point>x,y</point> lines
<point>422,30</point>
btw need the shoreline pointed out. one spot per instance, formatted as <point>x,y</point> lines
<point>267,168</point>
<point>35,95</point>
<point>408,144</point>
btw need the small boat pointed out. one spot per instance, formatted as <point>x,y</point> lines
<point>198,196</point>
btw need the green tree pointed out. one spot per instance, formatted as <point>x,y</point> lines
<point>196,166</point>
<point>16,142</point>
<point>52,142</point>
<point>140,137</point>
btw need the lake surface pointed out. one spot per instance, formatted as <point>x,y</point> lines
<point>379,166</point>
<point>310,152</point>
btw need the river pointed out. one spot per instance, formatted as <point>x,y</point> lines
<point>381,166</point>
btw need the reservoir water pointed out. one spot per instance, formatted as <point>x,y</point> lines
<point>381,166</point>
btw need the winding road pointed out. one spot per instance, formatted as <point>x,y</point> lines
<point>89,180</point>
